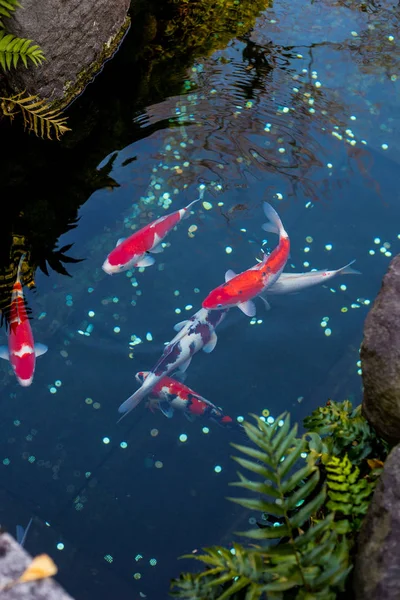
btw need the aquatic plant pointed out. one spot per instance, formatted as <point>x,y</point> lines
<point>312,505</point>
<point>36,113</point>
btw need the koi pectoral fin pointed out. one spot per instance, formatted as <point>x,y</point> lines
<point>40,349</point>
<point>266,303</point>
<point>166,409</point>
<point>209,347</point>
<point>179,325</point>
<point>248,308</point>
<point>157,249</point>
<point>4,353</point>
<point>229,275</point>
<point>146,261</point>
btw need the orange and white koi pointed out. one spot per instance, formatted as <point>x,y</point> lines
<point>239,290</point>
<point>133,251</point>
<point>169,395</point>
<point>21,351</point>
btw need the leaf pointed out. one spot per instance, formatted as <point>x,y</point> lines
<point>303,492</point>
<point>266,533</point>
<point>256,468</point>
<point>308,509</point>
<point>37,115</point>
<point>42,566</point>
<point>261,505</point>
<point>375,463</point>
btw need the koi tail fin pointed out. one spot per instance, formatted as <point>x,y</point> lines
<point>275,224</point>
<point>132,402</point>
<point>348,270</point>
<point>187,208</point>
<point>19,272</point>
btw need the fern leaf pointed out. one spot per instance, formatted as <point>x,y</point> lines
<point>36,114</point>
<point>256,486</point>
<point>308,509</point>
<point>267,533</point>
<point>13,48</point>
<point>255,468</point>
<point>304,491</point>
<point>261,505</point>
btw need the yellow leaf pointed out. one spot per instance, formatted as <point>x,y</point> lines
<point>375,463</point>
<point>41,566</point>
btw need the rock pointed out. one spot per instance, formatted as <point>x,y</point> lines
<point>380,358</point>
<point>377,567</point>
<point>76,37</point>
<point>13,562</point>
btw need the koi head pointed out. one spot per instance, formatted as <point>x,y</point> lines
<point>220,297</point>
<point>117,261</point>
<point>141,376</point>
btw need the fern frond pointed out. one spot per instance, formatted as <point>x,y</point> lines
<point>37,115</point>
<point>13,48</point>
<point>6,8</point>
<point>349,493</point>
<point>345,430</point>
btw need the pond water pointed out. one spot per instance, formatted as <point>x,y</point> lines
<point>298,105</point>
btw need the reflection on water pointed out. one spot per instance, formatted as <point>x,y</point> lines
<point>301,112</point>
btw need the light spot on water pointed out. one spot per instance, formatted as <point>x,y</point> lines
<point>384,146</point>
<point>158,464</point>
<point>154,432</point>
<point>117,329</point>
<point>149,337</point>
<point>153,562</point>
<point>270,420</point>
<point>183,437</point>
<point>377,240</point>
<point>89,401</point>
<point>106,440</point>
<point>217,468</point>
<point>328,247</point>
<point>328,332</point>
<point>178,311</point>
<point>205,430</point>
<point>188,306</point>
<point>228,249</point>
<point>91,313</point>
<point>96,405</point>
<point>207,205</point>
<point>60,546</point>
<point>123,445</point>
<point>53,390</point>
<point>240,419</point>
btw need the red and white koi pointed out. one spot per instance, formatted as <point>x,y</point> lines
<point>169,395</point>
<point>197,334</point>
<point>239,290</point>
<point>133,251</point>
<point>291,283</point>
<point>21,351</point>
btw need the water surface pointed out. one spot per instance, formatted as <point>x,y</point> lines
<point>297,105</point>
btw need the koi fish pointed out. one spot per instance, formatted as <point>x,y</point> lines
<point>169,395</point>
<point>133,251</point>
<point>239,290</point>
<point>290,283</point>
<point>21,351</point>
<point>198,335</point>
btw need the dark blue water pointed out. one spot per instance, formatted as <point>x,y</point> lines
<point>302,113</point>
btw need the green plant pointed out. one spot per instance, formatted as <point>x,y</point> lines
<point>13,48</point>
<point>349,493</point>
<point>37,114</point>
<point>345,431</point>
<point>302,556</point>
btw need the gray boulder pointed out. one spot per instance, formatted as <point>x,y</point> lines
<point>13,562</point>
<point>76,37</point>
<point>380,358</point>
<point>377,568</point>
